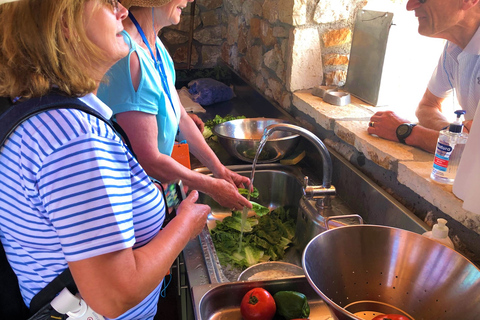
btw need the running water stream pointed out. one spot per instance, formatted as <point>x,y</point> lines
<point>262,143</point>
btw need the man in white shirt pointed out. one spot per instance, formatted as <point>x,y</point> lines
<point>458,70</point>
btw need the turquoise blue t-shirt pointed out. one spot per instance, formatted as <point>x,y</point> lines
<point>119,94</point>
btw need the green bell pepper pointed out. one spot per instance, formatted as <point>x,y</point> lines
<point>292,304</point>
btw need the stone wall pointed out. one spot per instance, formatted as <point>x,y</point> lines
<point>280,46</point>
<point>198,36</point>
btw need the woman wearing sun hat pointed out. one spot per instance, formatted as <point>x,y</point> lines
<point>72,195</point>
<point>140,89</point>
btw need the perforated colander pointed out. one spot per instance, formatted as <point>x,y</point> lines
<point>367,270</point>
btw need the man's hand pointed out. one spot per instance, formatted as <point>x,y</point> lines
<point>467,125</point>
<point>384,124</point>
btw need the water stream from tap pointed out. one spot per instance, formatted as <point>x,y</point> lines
<point>262,143</point>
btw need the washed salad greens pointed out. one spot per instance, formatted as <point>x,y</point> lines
<point>253,194</point>
<point>265,237</point>
<point>209,124</point>
<point>258,208</point>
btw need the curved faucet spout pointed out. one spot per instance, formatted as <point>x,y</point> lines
<point>327,161</point>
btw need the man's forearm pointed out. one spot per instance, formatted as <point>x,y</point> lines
<point>431,119</point>
<point>423,138</point>
<point>429,112</point>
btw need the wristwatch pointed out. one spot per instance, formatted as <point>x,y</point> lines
<point>404,130</point>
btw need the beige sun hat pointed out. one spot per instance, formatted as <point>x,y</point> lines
<point>5,1</point>
<point>143,3</point>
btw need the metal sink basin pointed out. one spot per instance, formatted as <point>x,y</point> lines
<point>281,185</point>
<point>222,301</point>
<point>278,186</point>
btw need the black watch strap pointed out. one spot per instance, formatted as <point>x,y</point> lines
<point>404,130</point>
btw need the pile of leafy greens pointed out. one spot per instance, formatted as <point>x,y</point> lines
<point>265,237</point>
<point>209,124</point>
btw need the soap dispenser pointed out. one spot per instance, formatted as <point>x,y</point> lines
<point>450,146</point>
<point>439,233</point>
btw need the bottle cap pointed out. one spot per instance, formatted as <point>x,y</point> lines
<point>65,302</point>
<point>440,230</point>
<point>457,125</point>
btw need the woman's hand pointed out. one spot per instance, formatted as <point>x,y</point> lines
<point>194,215</point>
<point>227,195</point>
<point>198,122</point>
<point>234,178</point>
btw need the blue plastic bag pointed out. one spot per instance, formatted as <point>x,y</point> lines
<point>207,91</point>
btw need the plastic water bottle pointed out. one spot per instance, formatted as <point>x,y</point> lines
<point>450,145</point>
<point>75,307</point>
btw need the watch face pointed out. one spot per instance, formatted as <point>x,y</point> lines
<point>402,129</point>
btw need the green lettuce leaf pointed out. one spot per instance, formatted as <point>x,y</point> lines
<point>259,209</point>
<point>253,194</point>
<point>218,119</point>
<point>267,237</point>
<point>235,222</point>
<point>207,132</point>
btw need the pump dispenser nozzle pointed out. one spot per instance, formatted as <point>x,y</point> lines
<point>457,125</point>
<point>440,230</point>
<point>439,233</point>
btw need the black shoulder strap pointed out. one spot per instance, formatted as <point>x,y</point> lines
<point>11,301</point>
<point>49,292</point>
<point>13,115</point>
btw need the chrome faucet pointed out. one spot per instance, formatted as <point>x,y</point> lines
<point>320,193</point>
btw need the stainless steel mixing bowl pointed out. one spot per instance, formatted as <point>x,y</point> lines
<point>360,271</point>
<point>270,270</point>
<point>241,139</point>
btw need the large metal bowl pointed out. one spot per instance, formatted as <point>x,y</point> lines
<point>270,270</point>
<point>360,271</point>
<point>241,139</point>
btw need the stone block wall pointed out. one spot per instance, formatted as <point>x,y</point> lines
<point>198,37</point>
<point>280,46</point>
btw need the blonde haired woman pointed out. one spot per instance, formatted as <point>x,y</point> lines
<point>141,92</point>
<point>71,193</point>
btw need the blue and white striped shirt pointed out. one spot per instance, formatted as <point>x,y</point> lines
<point>71,190</point>
<point>459,69</point>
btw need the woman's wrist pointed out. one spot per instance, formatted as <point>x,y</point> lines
<point>218,170</point>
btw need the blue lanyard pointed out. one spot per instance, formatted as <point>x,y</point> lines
<point>158,60</point>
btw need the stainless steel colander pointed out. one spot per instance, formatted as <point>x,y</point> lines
<point>365,270</point>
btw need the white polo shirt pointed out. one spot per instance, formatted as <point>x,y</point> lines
<point>462,68</point>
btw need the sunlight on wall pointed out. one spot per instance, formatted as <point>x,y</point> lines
<point>411,57</point>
